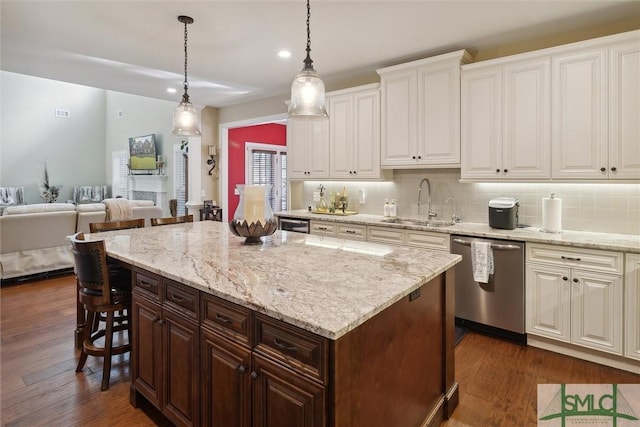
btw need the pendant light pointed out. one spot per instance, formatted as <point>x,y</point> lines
<point>307,89</point>
<point>185,117</point>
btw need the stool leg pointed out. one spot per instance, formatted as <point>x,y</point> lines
<point>108,344</point>
<point>85,339</point>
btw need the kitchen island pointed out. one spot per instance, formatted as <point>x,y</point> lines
<point>299,331</point>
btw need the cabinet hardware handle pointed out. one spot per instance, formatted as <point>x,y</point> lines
<point>322,228</point>
<point>177,298</point>
<point>144,284</point>
<point>565,278</point>
<point>413,157</point>
<point>241,369</point>
<point>254,374</point>
<point>497,170</point>
<point>350,231</point>
<point>613,169</point>
<point>160,322</point>
<point>419,157</point>
<point>506,170</point>
<point>603,169</point>
<point>285,346</point>
<point>356,172</point>
<point>575,280</point>
<point>223,319</point>
<point>570,258</point>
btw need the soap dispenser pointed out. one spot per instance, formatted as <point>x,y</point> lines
<point>392,208</point>
<point>387,208</point>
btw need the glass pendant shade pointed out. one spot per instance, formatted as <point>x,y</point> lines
<point>307,96</point>
<point>185,120</point>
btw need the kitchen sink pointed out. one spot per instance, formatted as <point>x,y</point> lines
<point>422,222</point>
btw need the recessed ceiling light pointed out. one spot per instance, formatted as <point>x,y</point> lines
<point>284,54</point>
<point>171,90</point>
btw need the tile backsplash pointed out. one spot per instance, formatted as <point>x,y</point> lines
<point>601,207</point>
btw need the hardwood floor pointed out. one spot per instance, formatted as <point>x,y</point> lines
<point>39,385</point>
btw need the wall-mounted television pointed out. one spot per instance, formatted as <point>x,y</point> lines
<point>142,152</point>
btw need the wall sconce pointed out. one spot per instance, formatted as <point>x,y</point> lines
<point>211,161</point>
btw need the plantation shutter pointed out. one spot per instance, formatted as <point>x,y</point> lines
<point>119,173</point>
<point>264,169</point>
<point>180,182</point>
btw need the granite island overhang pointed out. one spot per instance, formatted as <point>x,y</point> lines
<point>375,322</point>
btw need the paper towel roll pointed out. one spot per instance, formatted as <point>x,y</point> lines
<point>551,214</point>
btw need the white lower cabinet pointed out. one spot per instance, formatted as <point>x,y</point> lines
<point>632,309</point>
<point>575,295</point>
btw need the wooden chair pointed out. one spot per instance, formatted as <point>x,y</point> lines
<point>171,220</point>
<point>96,227</point>
<point>103,292</point>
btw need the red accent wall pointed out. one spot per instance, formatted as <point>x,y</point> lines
<point>274,134</point>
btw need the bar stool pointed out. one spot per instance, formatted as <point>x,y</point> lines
<point>101,291</point>
<point>96,227</point>
<point>171,220</point>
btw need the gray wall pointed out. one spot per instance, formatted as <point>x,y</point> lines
<point>73,147</point>
<point>77,150</point>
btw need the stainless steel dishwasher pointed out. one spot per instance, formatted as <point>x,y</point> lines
<point>496,307</point>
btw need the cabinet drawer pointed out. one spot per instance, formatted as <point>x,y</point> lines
<point>146,283</point>
<point>354,232</point>
<point>227,318</point>
<point>393,236</point>
<point>428,240</point>
<point>589,259</point>
<point>181,297</point>
<point>300,350</point>
<point>319,227</point>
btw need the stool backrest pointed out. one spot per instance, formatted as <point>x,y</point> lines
<point>91,269</point>
<point>96,227</point>
<point>171,220</point>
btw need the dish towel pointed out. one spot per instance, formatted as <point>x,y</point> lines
<point>481,261</point>
<point>117,209</point>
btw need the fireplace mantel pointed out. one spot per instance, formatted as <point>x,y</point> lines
<point>149,187</point>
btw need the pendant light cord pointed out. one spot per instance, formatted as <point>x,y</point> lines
<point>185,56</point>
<point>308,62</point>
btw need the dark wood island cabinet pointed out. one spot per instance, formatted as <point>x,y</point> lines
<point>207,355</point>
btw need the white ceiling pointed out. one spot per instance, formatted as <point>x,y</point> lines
<point>137,46</point>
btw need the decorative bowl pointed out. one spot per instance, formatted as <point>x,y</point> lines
<point>254,231</point>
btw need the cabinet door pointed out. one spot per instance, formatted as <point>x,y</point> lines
<point>182,369</point>
<point>526,137</point>
<point>624,110</point>
<point>147,349</point>
<point>548,302</point>
<point>399,132</point>
<point>226,382</point>
<point>632,309</point>
<point>438,140</point>
<point>341,143</point>
<point>481,123</point>
<point>579,121</point>
<point>308,149</point>
<point>366,135</point>
<point>596,311</point>
<point>282,398</point>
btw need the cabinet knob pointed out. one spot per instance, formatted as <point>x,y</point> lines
<point>254,374</point>
<point>565,278</point>
<point>575,280</point>
<point>160,322</point>
<point>603,169</point>
<point>241,369</point>
<point>419,157</point>
<point>613,169</point>
<point>355,172</point>
<point>497,170</point>
<point>413,157</point>
<point>505,170</point>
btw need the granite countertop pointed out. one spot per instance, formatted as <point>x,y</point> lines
<point>584,239</point>
<point>324,285</point>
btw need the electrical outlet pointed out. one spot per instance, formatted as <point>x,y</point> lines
<point>64,114</point>
<point>236,192</point>
<point>202,193</point>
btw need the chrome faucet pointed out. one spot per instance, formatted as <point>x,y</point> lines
<point>430,214</point>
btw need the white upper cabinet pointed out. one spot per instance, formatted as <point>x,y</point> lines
<point>567,112</point>
<point>308,149</point>
<point>506,121</point>
<point>354,133</point>
<point>421,112</point>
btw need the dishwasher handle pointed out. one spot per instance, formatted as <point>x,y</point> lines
<point>496,247</point>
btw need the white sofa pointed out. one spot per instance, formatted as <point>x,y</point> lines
<point>34,238</point>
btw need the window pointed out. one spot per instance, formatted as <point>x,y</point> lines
<point>267,164</point>
<point>180,179</point>
<point>119,173</point>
